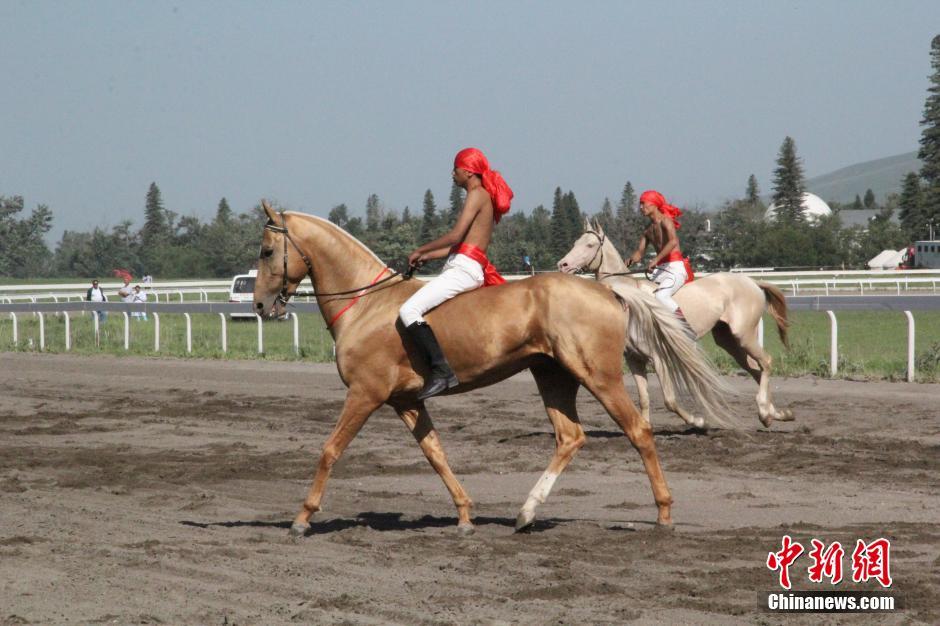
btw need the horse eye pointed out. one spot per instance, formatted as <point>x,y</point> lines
<point>266,252</point>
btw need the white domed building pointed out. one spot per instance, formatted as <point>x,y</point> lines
<point>814,208</point>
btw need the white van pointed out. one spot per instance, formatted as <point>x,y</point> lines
<point>243,290</point>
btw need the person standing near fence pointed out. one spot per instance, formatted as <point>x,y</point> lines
<point>96,294</point>
<point>139,297</point>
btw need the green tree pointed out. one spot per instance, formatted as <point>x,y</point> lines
<point>156,232</point>
<point>929,152</point>
<point>752,192</point>
<point>629,223</point>
<point>373,213</point>
<point>857,205</point>
<point>788,185</point>
<point>910,205</point>
<point>429,219</point>
<point>869,201</point>
<point>23,251</point>
<point>606,217</point>
<point>339,215</point>
<point>456,203</point>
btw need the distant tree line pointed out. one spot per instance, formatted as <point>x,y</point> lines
<point>738,235</point>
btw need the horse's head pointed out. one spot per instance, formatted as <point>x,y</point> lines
<point>586,252</point>
<point>281,265</point>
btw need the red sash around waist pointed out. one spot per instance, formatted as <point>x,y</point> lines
<point>490,275</point>
<point>676,255</point>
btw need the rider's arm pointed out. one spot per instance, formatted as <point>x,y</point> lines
<point>440,247</point>
<point>640,250</point>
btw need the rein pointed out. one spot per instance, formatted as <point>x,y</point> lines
<point>600,251</point>
<point>285,295</point>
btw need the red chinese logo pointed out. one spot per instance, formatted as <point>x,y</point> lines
<point>872,561</point>
<point>826,563</point>
<point>782,560</point>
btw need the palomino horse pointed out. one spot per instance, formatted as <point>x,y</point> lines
<point>488,335</point>
<point>728,305</point>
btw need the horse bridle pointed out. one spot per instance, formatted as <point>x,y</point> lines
<point>284,294</point>
<point>601,238</point>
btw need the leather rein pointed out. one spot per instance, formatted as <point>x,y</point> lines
<point>285,294</point>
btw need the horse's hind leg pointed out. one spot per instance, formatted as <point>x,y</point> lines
<point>637,365</point>
<point>610,392</point>
<point>559,390</point>
<point>420,425</point>
<point>669,397</point>
<point>358,407</point>
<point>753,359</point>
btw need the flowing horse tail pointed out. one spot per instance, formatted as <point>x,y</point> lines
<point>653,329</point>
<point>777,305</point>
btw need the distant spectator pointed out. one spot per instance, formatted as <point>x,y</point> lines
<point>139,297</point>
<point>126,292</point>
<point>96,294</point>
<point>527,264</point>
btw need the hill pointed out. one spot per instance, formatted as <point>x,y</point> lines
<point>882,176</point>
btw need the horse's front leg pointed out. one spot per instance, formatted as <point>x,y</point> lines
<point>418,421</point>
<point>358,407</point>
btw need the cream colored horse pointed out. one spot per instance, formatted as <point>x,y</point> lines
<point>729,305</point>
<point>488,335</point>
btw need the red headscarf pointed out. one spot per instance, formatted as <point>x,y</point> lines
<point>473,161</point>
<point>655,198</point>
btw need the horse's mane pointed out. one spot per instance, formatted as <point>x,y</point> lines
<point>339,230</point>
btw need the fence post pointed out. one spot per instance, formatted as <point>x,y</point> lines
<point>16,337</point>
<point>224,334</point>
<point>203,296</point>
<point>760,332</point>
<point>95,316</point>
<point>68,331</point>
<point>42,331</point>
<point>156,332</point>
<point>898,285</point>
<point>861,288</point>
<point>260,335</point>
<point>180,292</point>
<point>910,346</point>
<point>833,344</point>
<point>189,332</point>
<point>127,330</point>
<point>296,334</point>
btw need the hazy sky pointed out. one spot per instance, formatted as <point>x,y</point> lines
<point>318,103</point>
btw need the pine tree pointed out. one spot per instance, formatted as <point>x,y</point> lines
<point>156,230</point>
<point>857,204</point>
<point>788,185</point>
<point>629,223</point>
<point>223,214</point>
<point>606,216</point>
<point>456,203</point>
<point>910,205</point>
<point>561,240</point>
<point>752,193</point>
<point>575,218</point>
<point>428,218</point>
<point>373,213</point>
<point>869,200</point>
<point>929,152</point>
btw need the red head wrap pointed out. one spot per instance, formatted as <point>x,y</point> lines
<point>473,161</point>
<point>655,198</point>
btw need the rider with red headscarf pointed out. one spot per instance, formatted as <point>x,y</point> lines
<point>670,270</point>
<point>488,199</point>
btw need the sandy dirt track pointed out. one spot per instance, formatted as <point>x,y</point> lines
<point>160,491</point>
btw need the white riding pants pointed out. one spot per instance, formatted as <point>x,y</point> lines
<point>460,274</point>
<point>669,276</point>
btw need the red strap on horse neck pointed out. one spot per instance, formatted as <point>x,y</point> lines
<point>475,162</point>
<point>355,300</point>
<point>491,275</point>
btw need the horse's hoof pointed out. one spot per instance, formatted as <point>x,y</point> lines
<point>465,530</point>
<point>524,520</point>
<point>766,420</point>
<point>698,422</point>
<point>664,527</point>
<point>786,415</point>
<point>297,531</point>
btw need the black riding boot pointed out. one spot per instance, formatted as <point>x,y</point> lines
<point>442,377</point>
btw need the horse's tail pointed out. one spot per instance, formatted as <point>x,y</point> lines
<point>777,305</point>
<point>653,329</point>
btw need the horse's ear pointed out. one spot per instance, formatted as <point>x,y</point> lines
<point>587,224</point>
<point>598,227</point>
<point>268,210</point>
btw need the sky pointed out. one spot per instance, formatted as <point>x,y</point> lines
<point>313,104</point>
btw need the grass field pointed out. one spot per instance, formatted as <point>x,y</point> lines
<point>872,345</point>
